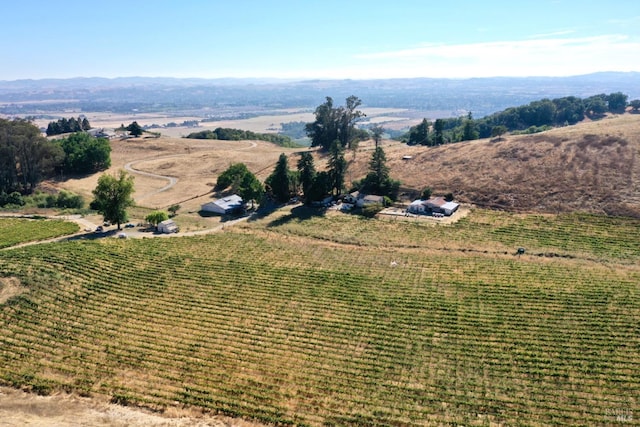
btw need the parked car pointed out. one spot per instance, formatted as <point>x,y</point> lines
<point>99,229</point>
<point>129,225</point>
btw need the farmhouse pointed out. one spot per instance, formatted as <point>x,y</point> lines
<point>433,205</point>
<point>224,206</point>
<point>167,226</point>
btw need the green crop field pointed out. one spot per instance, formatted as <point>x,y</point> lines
<point>339,320</point>
<point>19,230</point>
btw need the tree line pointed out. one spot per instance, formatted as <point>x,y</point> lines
<point>530,118</point>
<point>27,157</point>
<point>315,185</point>
<point>68,125</point>
<point>338,124</point>
<point>229,134</point>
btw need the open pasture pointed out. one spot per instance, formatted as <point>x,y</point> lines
<point>381,323</point>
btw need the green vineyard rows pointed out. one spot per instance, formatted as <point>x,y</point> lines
<point>379,323</point>
<point>17,230</point>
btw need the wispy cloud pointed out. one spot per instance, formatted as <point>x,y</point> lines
<point>550,56</point>
<point>633,20</point>
<point>553,34</point>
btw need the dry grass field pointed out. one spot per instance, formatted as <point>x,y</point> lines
<point>18,409</point>
<point>392,118</point>
<point>594,167</point>
<point>195,164</point>
<point>590,167</point>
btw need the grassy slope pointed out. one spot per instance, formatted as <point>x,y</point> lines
<point>284,321</point>
<point>593,166</point>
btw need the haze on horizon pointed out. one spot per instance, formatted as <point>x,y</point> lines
<point>329,39</point>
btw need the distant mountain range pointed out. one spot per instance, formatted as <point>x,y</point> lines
<point>441,97</point>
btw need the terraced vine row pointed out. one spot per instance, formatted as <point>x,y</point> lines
<point>323,334</point>
<point>18,230</point>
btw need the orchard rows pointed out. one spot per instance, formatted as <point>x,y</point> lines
<point>264,323</point>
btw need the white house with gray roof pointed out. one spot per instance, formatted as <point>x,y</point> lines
<point>433,205</point>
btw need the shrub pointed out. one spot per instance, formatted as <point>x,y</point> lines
<point>15,198</point>
<point>370,211</point>
<point>68,200</point>
<point>426,194</point>
<point>173,209</point>
<point>63,200</point>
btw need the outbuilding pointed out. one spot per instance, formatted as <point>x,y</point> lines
<point>224,206</point>
<point>167,226</point>
<point>449,208</point>
<point>370,199</point>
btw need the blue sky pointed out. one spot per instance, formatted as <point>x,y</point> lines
<point>317,38</point>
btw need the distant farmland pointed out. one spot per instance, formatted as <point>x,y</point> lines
<point>337,320</point>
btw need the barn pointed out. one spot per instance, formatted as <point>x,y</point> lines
<point>449,208</point>
<point>224,206</point>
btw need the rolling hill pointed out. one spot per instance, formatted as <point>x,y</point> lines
<point>592,167</point>
<point>310,318</point>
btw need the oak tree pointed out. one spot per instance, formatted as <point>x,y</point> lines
<point>112,197</point>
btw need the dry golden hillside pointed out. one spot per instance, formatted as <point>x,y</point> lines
<point>593,166</point>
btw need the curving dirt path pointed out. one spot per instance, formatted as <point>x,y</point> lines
<point>130,167</point>
<point>87,227</point>
<point>172,180</point>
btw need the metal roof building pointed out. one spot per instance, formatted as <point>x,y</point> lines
<point>225,205</point>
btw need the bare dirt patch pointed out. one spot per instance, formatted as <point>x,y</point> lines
<point>18,408</point>
<point>9,288</point>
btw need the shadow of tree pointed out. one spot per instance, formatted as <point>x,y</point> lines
<point>301,213</point>
<point>265,209</point>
